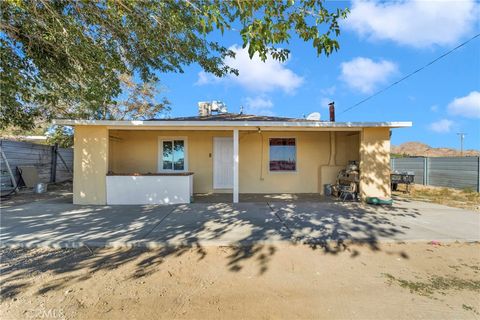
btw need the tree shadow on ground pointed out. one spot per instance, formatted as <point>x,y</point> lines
<point>250,231</point>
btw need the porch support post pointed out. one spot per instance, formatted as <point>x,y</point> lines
<point>235,166</point>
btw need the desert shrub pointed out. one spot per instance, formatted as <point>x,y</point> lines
<point>468,190</point>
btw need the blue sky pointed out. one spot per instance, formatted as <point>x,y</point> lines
<point>380,43</point>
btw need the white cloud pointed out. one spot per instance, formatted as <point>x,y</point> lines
<point>329,91</point>
<point>434,108</point>
<point>205,78</point>
<point>364,74</point>
<point>325,96</point>
<point>255,75</point>
<point>416,23</point>
<point>259,106</point>
<point>441,126</point>
<point>324,101</point>
<point>468,106</point>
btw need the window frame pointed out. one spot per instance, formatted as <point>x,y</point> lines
<point>161,139</point>
<point>296,156</point>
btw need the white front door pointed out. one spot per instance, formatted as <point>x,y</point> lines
<point>222,163</point>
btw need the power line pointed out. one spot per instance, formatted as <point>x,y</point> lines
<point>410,74</point>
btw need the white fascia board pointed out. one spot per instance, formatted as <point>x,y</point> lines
<point>230,124</point>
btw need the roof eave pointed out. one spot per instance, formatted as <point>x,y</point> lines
<point>232,123</point>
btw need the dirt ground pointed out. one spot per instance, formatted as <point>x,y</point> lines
<point>26,195</point>
<point>394,280</point>
<point>465,199</point>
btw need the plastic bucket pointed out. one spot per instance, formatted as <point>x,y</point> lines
<point>40,188</point>
<point>327,189</point>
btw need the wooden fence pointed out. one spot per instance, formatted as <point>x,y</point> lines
<point>53,164</point>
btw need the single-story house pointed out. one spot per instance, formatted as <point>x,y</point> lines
<point>168,160</point>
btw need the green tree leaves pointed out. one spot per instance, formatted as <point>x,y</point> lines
<point>67,58</point>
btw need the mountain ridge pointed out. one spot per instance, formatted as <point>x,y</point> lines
<point>419,149</point>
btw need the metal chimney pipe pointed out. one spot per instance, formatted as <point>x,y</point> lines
<point>331,108</point>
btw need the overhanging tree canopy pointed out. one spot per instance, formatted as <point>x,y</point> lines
<point>67,58</point>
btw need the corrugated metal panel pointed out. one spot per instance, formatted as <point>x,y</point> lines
<point>31,154</point>
<point>62,172</point>
<point>452,172</point>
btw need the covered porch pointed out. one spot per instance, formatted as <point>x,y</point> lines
<point>228,165</point>
<point>224,158</point>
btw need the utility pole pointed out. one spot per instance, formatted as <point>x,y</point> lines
<point>462,136</point>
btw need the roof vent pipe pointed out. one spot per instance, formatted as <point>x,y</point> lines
<point>331,107</point>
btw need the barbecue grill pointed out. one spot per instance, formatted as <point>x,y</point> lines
<point>402,177</point>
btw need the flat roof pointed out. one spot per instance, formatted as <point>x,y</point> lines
<point>298,123</point>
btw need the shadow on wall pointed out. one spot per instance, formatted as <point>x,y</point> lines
<point>90,169</point>
<point>375,169</point>
<point>328,228</point>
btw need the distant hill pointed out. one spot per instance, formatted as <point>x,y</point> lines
<point>419,149</point>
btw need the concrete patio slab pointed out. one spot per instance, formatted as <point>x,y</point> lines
<point>58,223</point>
<point>311,222</point>
<point>404,221</point>
<point>259,197</point>
<point>61,224</point>
<point>434,220</point>
<point>219,224</point>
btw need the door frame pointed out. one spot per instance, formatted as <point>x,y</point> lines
<point>215,187</point>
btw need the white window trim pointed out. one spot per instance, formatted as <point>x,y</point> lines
<point>296,156</point>
<point>160,153</point>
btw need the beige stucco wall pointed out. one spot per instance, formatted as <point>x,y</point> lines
<point>347,148</point>
<point>90,165</point>
<point>254,173</point>
<point>375,163</point>
<point>98,150</point>
<point>137,151</point>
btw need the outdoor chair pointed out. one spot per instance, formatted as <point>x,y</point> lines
<point>346,191</point>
